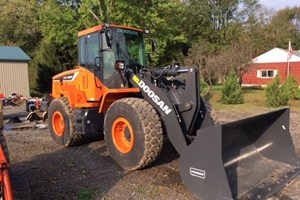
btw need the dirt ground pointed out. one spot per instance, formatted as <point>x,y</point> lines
<point>88,172</point>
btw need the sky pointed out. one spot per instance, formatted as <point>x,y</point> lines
<point>280,4</point>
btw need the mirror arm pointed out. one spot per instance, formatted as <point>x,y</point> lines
<point>120,67</point>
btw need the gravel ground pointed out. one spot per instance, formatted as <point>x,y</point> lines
<point>88,172</point>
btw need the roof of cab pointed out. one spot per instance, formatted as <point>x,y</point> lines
<point>100,27</point>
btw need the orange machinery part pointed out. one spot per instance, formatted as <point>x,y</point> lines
<point>4,177</point>
<point>83,90</point>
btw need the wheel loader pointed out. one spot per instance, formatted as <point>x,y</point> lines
<point>114,94</point>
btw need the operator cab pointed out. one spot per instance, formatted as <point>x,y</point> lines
<point>101,46</point>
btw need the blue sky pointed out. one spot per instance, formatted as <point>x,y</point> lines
<point>280,4</point>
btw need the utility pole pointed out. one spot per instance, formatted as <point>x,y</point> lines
<point>289,56</point>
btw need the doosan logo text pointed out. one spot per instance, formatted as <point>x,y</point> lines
<point>152,95</point>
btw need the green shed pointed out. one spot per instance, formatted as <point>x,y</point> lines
<point>14,76</point>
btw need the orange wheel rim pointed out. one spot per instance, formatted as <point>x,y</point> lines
<point>58,123</point>
<point>122,135</point>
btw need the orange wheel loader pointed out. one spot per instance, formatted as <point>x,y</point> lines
<point>112,91</point>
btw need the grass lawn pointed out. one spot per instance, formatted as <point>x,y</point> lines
<point>254,99</point>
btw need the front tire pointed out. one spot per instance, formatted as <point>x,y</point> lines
<point>133,133</point>
<point>62,123</point>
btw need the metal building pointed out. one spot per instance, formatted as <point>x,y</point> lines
<point>14,77</point>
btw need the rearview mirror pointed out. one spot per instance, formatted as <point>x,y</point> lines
<point>119,65</point>
<point>108,37</point>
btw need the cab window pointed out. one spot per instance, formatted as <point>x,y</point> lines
<point>89,50</point>
<point>109,59</point>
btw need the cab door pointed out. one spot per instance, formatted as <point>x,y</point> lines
<point>90,54</point>
<point>99,57</point>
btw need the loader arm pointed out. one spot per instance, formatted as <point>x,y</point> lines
<point>159,100</point>
<point>178,102</point>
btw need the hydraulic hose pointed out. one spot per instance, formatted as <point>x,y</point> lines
<point>169,71</point>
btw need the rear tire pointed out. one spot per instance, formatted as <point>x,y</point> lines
<point>133,133</point>
<point>62,123</point>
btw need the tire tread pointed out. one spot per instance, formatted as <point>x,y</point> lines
<point>152,129</point>
<point>75,138</point>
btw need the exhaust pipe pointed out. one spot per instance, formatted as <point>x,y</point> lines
<point>251,158</point>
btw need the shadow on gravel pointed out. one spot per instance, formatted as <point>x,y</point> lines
<point>80,172</point>
<point>167,155</point>
<point>165,170</point>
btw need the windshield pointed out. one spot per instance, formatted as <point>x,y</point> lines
<point>129,46</point>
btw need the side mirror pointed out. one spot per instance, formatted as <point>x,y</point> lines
<point>153,45</point>
<point>119,65</point>
<point>108,37</point>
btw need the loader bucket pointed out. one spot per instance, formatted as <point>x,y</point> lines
<point>251,158</point>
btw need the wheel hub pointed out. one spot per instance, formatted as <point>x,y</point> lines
<point>122,135</point>
<point>58,123</point>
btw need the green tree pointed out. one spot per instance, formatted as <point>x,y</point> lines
<point>46,58</point>
<point>156,16</point>
<point>218,44</point>
<point>268,29</point>
<point>217,22</point>
<point>283,26</point>
<point>291,87</point>
<point>275,94</point>
<point>44,79</point>
<point>19,24</point>
<point>232,92</point>
<point>57,51</point>
<point>59,25</point>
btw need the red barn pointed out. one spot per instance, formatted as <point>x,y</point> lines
<point>268,65</point>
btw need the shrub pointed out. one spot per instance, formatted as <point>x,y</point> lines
<point>276,95</point>
<point>291,87</point>
<point>232,91</point>
<point>297,96</point>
